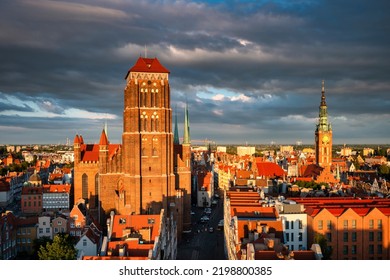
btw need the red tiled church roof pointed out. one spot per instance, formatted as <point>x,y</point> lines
<point>90,152</point>
<point>144,64</point>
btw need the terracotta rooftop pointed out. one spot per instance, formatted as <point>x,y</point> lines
<point>124,223</point>
<point>103,138</point>
<point>269,169</point>
<point>90,152</point>
<point>144,64</point>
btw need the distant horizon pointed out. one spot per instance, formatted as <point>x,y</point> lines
<point>218,145</point>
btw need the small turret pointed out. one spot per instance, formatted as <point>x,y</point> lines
<point>103,153</point>
<point>77,149</point>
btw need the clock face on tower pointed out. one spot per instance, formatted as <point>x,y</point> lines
<point>325,139</point>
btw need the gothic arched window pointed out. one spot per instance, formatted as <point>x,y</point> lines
<point>84,186</point>
<point>96,190</point>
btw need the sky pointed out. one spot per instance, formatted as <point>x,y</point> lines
<point>250,71</point>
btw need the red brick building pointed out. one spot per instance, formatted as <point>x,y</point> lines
<point>148,171</point>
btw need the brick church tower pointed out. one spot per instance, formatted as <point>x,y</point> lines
<point>137,176</point>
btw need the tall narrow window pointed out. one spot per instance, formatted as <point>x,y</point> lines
<point>152,100</point>
<point>320,224</point>
<point>145,123</point>
<point>96,190</point>
<point>156,98</point>
<point>152,124</point>
<point>371,236</point>
<point>379,237</point>
<point>345,236</point>
<point>144,98</point>
<point>84,186</point>
<point>354,236</point>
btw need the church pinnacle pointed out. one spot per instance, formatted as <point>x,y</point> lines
<point>186,137</point>
<point>176,140</point>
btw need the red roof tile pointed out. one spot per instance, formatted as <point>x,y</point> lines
<point>336,211</point>
<point>148,65</point>
<point>103,138</point>
<point>269,169</point>
<point>361,211</point>
<point>76,139</point>
<point>90,152</point>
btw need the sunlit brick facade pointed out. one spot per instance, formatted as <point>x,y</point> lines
<point>147,172</point>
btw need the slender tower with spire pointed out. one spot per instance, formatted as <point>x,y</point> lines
<point>182,166</point>
<point>176,140</point>
<point>186,137</point>
<point>323,134</point>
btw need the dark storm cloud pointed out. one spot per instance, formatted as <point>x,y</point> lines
<point>267,57</point>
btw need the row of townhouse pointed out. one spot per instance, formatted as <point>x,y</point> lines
<point>16,184</point>
<point>17,234</point>
<point>11,187</point>
<point>353,228</point>
<point>255,229</point>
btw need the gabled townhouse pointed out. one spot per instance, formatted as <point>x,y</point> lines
<point>44,227</point>
<point>59,224</point>
<point>90,241</point>
<point>353,228</point>
<point>77,219</point>
<point>205,188</point>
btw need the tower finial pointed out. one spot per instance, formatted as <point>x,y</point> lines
<point>323,102</point>
<point>146,53</point>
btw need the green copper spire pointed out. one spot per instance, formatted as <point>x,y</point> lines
<point>323,124</point>
<point>176,140</point>
<point>186,139</point>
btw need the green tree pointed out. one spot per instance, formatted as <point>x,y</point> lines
<point>62,248</point>
<point>321,240</point>
<point>37,244</point>
<point>384,169</point>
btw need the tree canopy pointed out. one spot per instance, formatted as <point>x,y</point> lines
<point>61,248</point>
